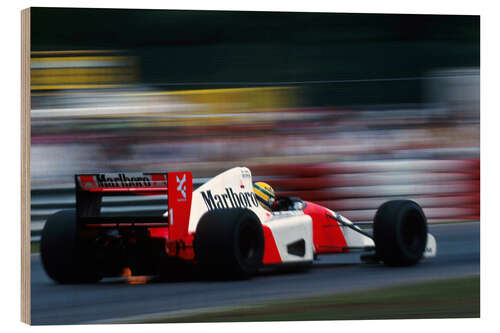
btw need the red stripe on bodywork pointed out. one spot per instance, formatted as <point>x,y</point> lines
<point>271,253</point>
<point>159,232</point>
<point>125,224</point>
<point>180,191</point>
<point>130,189</point>
<point>159,179</point>
<point>327,235</point>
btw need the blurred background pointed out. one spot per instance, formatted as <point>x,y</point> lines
<point>348,110</point>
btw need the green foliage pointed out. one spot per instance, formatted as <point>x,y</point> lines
<point>451,298</point>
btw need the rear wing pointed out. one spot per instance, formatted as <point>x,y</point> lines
<point>178,186</point>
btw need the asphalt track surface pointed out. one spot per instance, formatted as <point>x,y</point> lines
<point>114,300</point>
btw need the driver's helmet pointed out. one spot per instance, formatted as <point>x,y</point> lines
<point>265,195</point>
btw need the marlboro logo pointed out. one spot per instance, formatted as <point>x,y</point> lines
<point>120,180</point>
<point>229,199</point>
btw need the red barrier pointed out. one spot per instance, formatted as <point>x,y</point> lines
<point>446,189</point>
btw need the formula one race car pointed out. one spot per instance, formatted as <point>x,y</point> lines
<point>220,229</point>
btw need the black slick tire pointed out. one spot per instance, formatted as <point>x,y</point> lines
<point>229,243</point>
<point>400,233</point>
<point>65,257</point>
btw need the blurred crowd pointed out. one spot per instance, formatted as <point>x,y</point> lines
<point>276,92</point>
<point>211,130</point>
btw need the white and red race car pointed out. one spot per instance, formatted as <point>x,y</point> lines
<point>219,229</point>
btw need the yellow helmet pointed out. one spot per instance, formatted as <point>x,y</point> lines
<point>265,195</point>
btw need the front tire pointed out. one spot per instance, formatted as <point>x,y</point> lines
<point>229,243</point>
<point>400,233</point>
<point>66,257</point>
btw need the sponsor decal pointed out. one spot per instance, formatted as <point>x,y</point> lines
<point>229,199</point>
<point>121,180</point>
<point>181,187</point>
<point>287,213</point>
<point>245,173</point>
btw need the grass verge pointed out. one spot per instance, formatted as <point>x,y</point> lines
<point>451,298</point>
<point>35,247</point>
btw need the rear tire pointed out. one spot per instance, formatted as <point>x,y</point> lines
<point>400,233</point>
<point>229,243</point>
<point>65,256</point>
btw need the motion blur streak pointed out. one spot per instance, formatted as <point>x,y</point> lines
<point>82,69</point>
<point>348,110</point>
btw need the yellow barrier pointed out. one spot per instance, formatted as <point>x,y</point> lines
<point>63,76</point>
<point>49,70</point>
